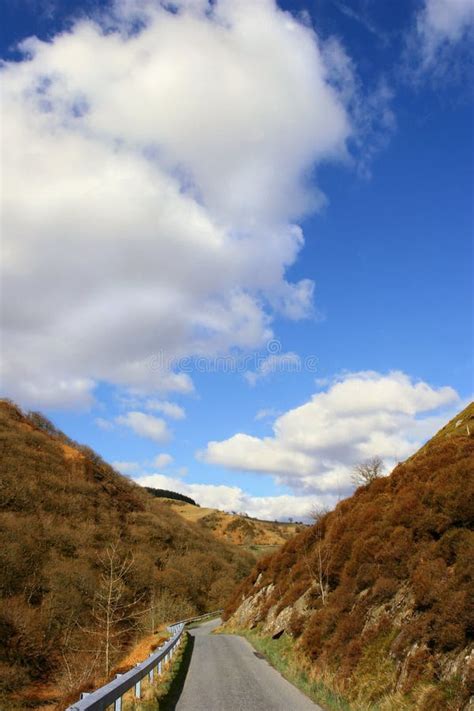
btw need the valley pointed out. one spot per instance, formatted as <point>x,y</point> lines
<point>256,536</point>
<point>368,608</point>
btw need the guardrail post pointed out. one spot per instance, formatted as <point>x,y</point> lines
<point>118,702</point>
<point>138,687</point>
<point>151,675</point>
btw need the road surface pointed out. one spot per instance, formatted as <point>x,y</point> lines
<point>225,674</point>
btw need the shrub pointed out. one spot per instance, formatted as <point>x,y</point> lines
<point>384,589</point>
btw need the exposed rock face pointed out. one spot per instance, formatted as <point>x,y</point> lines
<point>249,612</point>
<point>395,563</point>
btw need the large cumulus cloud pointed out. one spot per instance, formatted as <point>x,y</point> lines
<point>156,164</point>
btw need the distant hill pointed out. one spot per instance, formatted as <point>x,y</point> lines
<point>165,494</point>
<point>378,595</point>
<point>256,536</point>
<point>89,562</point>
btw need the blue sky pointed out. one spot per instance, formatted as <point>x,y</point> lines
<point>301,198</point>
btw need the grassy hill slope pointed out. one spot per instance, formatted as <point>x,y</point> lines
<point>71,530</point>
<point>378,595</point>
<point>255,535</point>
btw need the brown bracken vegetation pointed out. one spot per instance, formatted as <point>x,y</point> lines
<point>379,592</point>
<point>89,562</point>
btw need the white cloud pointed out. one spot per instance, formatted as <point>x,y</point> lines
<point>274,363</point>
<point>152,183</point>
<point>265,413</point>
<point>145,425</point>
<point>370,109</point>
<point>445,20</point>
<point>285,506</point>
<point>232,498</point>
<point>170,409</point>
<point>104,424</point>
<point>162,460</point>
<point>49,391</point>
<point>364,19</point>
<point>314,446</point>
<point>126,467</point>
<point>442,26</point>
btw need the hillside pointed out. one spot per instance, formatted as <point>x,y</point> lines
<point>72,530</point>
<point>255,535</point>
<point>378,595</point>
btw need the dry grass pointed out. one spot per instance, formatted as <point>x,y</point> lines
<point>252,533</point>
<point>141,650</point>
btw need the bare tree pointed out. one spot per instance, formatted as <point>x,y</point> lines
<point>114,615</point>
<point>368,470</point>
<point>319,558</point>
<point>317,514</point>
<point>78,665</point>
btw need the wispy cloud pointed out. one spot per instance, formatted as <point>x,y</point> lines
<point>104,424</point>
<point>266,413</point>
<point>363,18</point>
<point>170,409</point>
<point>274,363</point>
<point>162,460</point>
<point>439,44</point>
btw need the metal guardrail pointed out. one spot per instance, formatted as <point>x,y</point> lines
<point>112,692</point>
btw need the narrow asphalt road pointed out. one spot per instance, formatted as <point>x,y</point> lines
<point>225,674</point>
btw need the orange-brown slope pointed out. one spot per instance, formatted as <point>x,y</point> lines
<point>63,513</point>
<point>385,578</point>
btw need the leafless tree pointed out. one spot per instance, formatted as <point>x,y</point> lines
<point>77,667</point>
<point>318,559</point>
<point>367,471</point>
<point>317,514</point>
<point>114,615</point>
